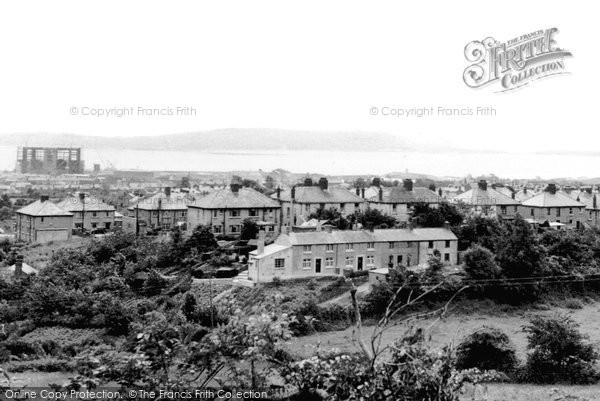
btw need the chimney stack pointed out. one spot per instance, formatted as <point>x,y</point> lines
<point>594,203</point>
<point>235,188</point>
<point>44,198</point>
<point>376,182</point>
<point>362,193</point>
<point>588,190</point>
<point>357,191</point>
<point>551,188</point>
<point>168,191</point>
<point>19,266</point>
<point>293,192</point>
<point>308,182</point>
<point>482,184</point>
<point>512,195</point>
<point>408,184</point>
<point>323,183</point>
<point>82,196</point>
<point>278,193</point>
<point>380,194</point>
<point>260,244</point>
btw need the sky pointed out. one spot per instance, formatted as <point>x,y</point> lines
<point>309,65</point>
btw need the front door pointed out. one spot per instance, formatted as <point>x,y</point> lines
<point>360,263</point>
<point>317,265</point>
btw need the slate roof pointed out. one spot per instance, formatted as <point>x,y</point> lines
<point>522,196</point>
<point>401,195</point>
<point>315,194</point>
<point>488,197</point>
<point>547,199</point>
<point>162,202</point>
<point>361,236</point>
<point>43,209</point>
<point>74,204</point>
<point>245,198</point>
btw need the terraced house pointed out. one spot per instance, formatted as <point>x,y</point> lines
<point>298,203</point>
<point>307,254</point>
<point>89,213</point>
<point>553,208</point>
<point>226,209</point>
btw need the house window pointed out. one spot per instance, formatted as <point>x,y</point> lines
<point>253,212</point>
<point>42,219</point>
<point>215,213</point>
<point>342,206</point>
<point>306,263</point>
<point>329,248</point>
<point>531,212</point>
<point>287,212</point>
<point>570,210</point>
<point>503,209</point>
<point>446,257</point>
<point>394,208</point>
<point>356,205</point>
<point>370,245</point>
<point>558,212</point>
<point>279,263</point>
<point>306,248</point>
<point>234,229</point>
<point>307,208</point>
<point>349,247</point>
<point>94,225</point>
<point>515,209</point>
<point>430,244</point>
<point>234,213</point>
<point>391,245</point>
<point>94,214</point>
<point>329,262</point>
<point>349,261</point>
<point>370,260</point>
<point>549,211</point>
<point>447,244</point>
<point>217,229</point>
<point>399,259</point>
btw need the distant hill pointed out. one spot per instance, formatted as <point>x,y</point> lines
<point>229,140</point>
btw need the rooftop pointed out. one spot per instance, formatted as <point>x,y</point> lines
<point>43,208</point>
<point>485,197</point>
<point>315,194</point>
<point>548,199</point>
<point>75,204</point>
<point>244,198</point>
<point>360,236</point>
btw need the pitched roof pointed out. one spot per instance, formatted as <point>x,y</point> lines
<point>269,250</point>
<point>523,196</point>
<point>401,195</point>
<point>548,199</point>
<point>161,201</point>
<point>46,208</point>
<point>360,236</point>
<point>245,198</point>
<point>485,197</point>
<point>74,204</point>
<point>315,194</point>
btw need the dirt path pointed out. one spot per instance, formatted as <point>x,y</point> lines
<point>344,299</point>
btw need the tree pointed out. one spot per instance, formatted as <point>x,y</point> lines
<point>202,239</point>
<point>559,352</point>
<point>519,253</point>
<point>480,263</point>
<point>332,215</point>
<point>426,216</point>
<point>373,218</point>
<point>481,230</point>
<point>249,230</point>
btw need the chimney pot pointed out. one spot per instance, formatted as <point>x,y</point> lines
<point>408,184</point>
<point>551,188</point>
<point>308,182</point>
<point>482,185</point>
<point>44,198</point>
<point>376,182</point>
<point>235,188</point>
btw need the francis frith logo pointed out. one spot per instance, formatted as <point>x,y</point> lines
<point>516,62</point>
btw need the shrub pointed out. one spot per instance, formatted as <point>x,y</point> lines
<point>573,303</point>
<point>480,264</point>
<point>486,349</point>
<point>559,353</point>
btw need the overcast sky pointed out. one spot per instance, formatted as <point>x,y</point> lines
<point>316,65</point>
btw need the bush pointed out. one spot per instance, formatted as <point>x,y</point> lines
<point>573,303</point>
<point>559,353</point>
<point>487,349</point>
<point>480,264</point>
